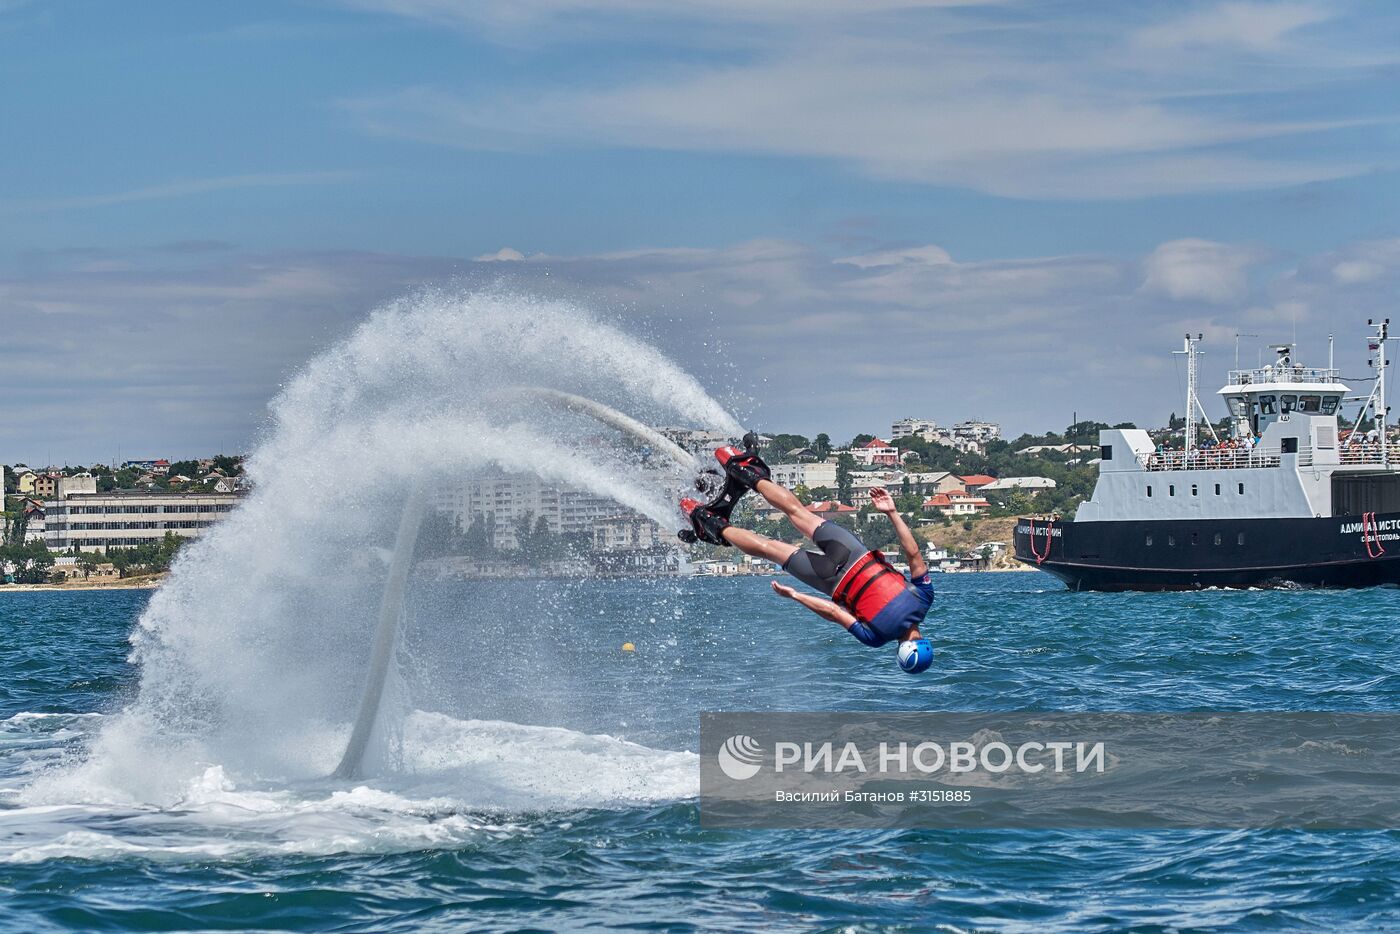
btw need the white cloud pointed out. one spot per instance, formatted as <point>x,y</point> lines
<point>1191,270</point>
<point>504,255</point>
<point>1021,104</point>
<point>922,255</point>
<point>787,335</point>
<point>1358,270</point>
<point>1250,25</point>
<point>185,188</point>
<point>1367,261</point>
<point>530,13</point>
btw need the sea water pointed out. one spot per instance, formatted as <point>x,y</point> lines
<point>544,779</point>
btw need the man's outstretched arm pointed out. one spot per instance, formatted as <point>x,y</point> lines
<point>881,499</point>
<point>823,608</point>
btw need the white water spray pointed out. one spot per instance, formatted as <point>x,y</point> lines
<point>253,655</point>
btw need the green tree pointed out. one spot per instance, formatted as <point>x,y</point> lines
<point>858,440</point>
<point>845,483</point>
<point>479,539</point>
<point>87,563</point>
<point>32,561</point>
<point>186,468</point>
<point>229,466</point>
<point>821,494</point>
<point>525,536</point>
<point>777,449</point>
<point>822,445</point>
<point>803,494</point>
<point>439,535</point>
<point>147,558</point>
<point>1084,432</point>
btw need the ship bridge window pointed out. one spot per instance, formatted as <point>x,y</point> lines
<point>1238,407</point>
<point>1329,404</point>
<point>1289,446</point>
<point>1268,405</point>
<point>1287,403</point>
<point>1106,452</point>
<point>1309,403</point>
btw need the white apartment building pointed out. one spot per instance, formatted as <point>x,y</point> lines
<point>925,428</point>
<point>696,440</point>
<point>810,475</point>
<point>98,521</point>
<point>504,499</point>
<point>979,432</point>
<point>628,532</point>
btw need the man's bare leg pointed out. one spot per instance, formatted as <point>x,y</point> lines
<point>782,498</point>
<point>751,543</point>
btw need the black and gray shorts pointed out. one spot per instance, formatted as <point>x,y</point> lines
<point>824,569</point>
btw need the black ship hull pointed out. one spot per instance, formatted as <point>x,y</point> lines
<point>1340,551</point>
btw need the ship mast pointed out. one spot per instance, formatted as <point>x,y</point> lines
<point>1376,400</point>
<point>1383,412</point>
<point>1193,403</point>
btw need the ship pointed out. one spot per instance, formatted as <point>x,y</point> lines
<point>1284,496</point>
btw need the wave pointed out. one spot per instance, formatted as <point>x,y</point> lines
<point>460,780</point>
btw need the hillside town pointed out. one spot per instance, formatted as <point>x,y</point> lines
<point>104,523</point>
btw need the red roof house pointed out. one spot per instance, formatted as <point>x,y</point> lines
<point>955,504</point>
<point>977,481</point>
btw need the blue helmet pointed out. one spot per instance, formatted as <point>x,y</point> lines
<point>915,655</point>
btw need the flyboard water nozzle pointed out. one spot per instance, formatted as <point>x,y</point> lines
<point>391,608</point>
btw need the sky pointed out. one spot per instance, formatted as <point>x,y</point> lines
<point>834,213</point>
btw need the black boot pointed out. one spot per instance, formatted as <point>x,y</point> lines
<point>709,525</point>
<point>744,468</point>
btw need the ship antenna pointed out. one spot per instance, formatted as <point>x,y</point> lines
<point>1238,335</point>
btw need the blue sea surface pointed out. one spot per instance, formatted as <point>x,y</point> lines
<point>466,849</point>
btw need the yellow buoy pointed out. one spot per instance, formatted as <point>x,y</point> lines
<point>628,647</point>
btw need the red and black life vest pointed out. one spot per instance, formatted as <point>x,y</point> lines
<point>869,586</point>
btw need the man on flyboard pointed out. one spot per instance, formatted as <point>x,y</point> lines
<point>869,598</point>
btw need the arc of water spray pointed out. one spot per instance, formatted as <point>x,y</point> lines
<point>391,607</point>
<point>608,416</point>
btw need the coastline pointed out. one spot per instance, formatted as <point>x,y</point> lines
<point>145,582</point>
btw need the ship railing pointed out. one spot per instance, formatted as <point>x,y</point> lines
<point>1363,454</point>
<point>1217,459</point>
<point>1284,374</point>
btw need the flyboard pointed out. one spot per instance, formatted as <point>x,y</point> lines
<point>723,496</point>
